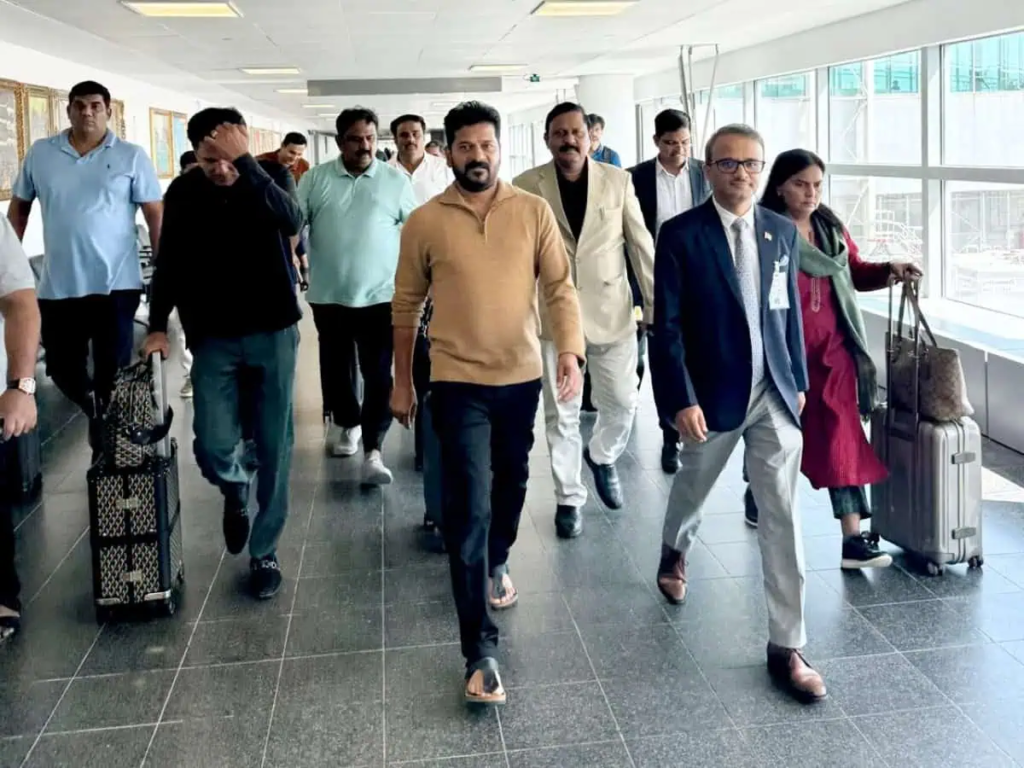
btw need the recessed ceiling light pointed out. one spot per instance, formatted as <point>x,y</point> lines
<point>497,67</point>
<point>582,7</point>
<point>318,106</point>
<point>327,114</point>
<point>297,91</point>
<point>271,70</point>
<point>183,10</point>
<point>443,104</point>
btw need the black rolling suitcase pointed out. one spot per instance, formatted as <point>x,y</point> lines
<point>22,468</point>
<point>134,507</point>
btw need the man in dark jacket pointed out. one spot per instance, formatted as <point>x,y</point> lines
<point>225,264</point>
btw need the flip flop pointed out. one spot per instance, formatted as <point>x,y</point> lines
<point>493,693</point>
<point>9,626</point>
<point>503,593</point>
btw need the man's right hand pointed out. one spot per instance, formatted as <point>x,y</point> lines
<point>156,342</point>
<point>691,425</point>
<point>403,405</point>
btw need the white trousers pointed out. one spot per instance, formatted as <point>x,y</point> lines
<point>773,449</point>
<point>613,390</point>
<point>174,325</point>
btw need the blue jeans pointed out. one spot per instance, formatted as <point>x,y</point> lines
<point>264,365</point>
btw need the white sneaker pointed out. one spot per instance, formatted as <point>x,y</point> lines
<point>374,471</point>
<point>186,388</point>
<point>343,442</point>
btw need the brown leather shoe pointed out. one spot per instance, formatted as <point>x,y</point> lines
<point>672,575</point>
<point>790,669</point>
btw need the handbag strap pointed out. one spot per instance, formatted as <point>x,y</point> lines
<point>911,289</point>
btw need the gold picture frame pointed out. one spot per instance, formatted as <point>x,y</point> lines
<point>37,114</point>
<point>59,111</point>
<point>12,135</point>
<point>161,143</point>
<point>117,119</point>
<point>179,135</point>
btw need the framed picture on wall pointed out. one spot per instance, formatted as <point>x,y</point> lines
<point>12,134</point>
<point>161,142</point>
<point>59,111</point>
<point>117,124</point>
<point>179,133</point>
<point>38,114</point>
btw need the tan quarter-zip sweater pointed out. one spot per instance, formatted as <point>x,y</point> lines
<point>485,277</point>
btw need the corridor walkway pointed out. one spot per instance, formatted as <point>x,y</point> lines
<point>356,662</point>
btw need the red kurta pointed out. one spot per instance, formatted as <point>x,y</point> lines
<point>836,452</point>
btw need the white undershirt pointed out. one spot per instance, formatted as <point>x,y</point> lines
<point>675,194</point>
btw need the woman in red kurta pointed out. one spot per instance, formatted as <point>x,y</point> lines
<point>842,376</point>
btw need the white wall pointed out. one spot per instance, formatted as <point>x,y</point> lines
<point>28,66</point>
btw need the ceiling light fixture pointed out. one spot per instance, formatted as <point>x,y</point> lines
<point>497,67</point>
<point>258,71</point>
<point>318,106</point>
<point>582,7</point>
<point>172,9</point>
<point>296,91</point>
<point>327,114</point>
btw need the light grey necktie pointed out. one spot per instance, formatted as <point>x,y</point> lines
<point>746,275</point>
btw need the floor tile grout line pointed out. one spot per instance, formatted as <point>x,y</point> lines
<point>39,502</point>
<point>184,655</point>
<point>53,573</point>
<point>600,685</point>
<point>60,700</point>
<point>291,614</point>
<point>501,737</point>
<point>383,634</point>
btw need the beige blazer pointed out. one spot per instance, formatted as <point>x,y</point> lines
<point>612,221</point>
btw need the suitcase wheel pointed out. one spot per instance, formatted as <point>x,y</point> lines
<point>103,614</point>
<point>934,569</point>
<point>976,562</point>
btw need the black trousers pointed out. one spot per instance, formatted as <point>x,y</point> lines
<point>71,326</point>
<point>10,587</point>
<point>486,434</point>
<point>349,335</point>
<point>421,383</point>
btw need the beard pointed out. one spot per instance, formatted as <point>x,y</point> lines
<point>472,183</point>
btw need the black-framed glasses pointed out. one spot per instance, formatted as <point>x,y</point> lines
<point>730,165</point>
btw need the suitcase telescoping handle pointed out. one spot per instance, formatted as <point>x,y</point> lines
<point>163,414</point>
<point>909,290</point>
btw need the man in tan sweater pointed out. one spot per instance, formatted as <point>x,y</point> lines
<point>486,252</point>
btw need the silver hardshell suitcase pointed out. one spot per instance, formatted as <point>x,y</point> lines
<point>930,505</point>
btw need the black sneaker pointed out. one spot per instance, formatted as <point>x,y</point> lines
<point>749,508</point>
<point>236,521</point>
<point>861,552</point>
<point>264,577</point>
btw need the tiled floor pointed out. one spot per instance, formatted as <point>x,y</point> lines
<point>356,662</point>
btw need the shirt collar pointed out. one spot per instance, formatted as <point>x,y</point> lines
<point>370,172</point>
<point>64,142</point>
<point>452,196</point>
<point>662,171</point>
<point>428,163</point>
<point>728,217</point>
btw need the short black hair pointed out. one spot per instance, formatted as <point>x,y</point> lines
<point>470,113</point>
<point>295,138</point>
<point>410,118</point>
<point>204,122</point>
<point>433,143</point>
<point>89,88</point>
<point>670,121</point>
<point>350,117</point>
<point>187,159</point>
<point>733,129</point>
<point>564,108</point>
<point>594,119</point>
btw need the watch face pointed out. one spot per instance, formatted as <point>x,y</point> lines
<point>28,386</point>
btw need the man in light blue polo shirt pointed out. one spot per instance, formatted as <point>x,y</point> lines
<point>90,185</point>
<point>355,207</point>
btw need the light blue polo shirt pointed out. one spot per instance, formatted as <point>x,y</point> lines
<point>355,225</point>
<point>89,205</point>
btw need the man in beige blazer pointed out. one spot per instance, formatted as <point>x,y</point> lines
<point>598,214</point>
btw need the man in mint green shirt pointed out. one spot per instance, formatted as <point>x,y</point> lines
<point>355,207</point>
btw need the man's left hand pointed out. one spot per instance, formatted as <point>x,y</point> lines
<point>18,411</point>
<point>569,377</point>
<point>228,142</point>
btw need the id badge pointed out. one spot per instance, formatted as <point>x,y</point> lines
<point>778,295</point>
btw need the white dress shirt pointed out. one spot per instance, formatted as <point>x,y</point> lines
<point>431,177</point>
<point>15,275</point>
<point>675,194</point>
<point>749,237</point>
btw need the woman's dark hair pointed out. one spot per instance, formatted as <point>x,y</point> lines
<point>470,113</point>
<point>350,117</point>
<point>786,166</point>
<point>203,123</point>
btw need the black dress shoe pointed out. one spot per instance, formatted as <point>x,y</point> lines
<point>749,508</point>
<point>236,520</point>
<point>606,481</point>
<point>670,458</point>
<point>265,577</point>
<point>568,521</point>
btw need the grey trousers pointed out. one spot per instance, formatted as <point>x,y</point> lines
<point>773,449</point>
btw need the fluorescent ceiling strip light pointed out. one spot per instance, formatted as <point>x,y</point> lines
<point>582,7</point>
<point>497,67</point>
<point>318,106</point>
<point>183,10</point>
<point>271,70</point>
<point>296,91</point>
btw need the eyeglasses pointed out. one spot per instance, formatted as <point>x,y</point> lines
<point>729,165</point>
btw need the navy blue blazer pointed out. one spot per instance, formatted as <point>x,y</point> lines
<point>700,348</point>
<point>645,182</point>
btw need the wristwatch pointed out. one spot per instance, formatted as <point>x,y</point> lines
<point>28,386</point>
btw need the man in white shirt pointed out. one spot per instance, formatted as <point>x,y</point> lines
<point>666,186</point>
<point>20,312</point>
<point>429,174</point>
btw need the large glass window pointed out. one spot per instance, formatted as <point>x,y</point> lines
<point>983,104</point>
<point>883,215</point>
<point>875,111</point>
<point>784,113</point>
<point>726,106</point>
<point>984,245</point>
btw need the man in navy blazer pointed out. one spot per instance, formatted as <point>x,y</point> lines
<point>727,362</point>
<point>667,186</point>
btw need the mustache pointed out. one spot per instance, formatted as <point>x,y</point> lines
<point>474,164</point>
<point>568,148</point>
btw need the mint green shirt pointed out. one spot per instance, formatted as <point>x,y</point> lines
<point>355,225</point>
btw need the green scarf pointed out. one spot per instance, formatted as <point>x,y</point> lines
<point>832,261</point>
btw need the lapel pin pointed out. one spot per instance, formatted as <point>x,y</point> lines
<point>768,236</point>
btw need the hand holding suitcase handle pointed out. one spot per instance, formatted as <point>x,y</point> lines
<point>166,413</point>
